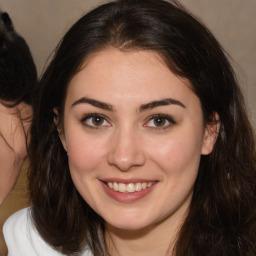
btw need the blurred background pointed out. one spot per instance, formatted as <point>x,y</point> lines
<point>42,23</point>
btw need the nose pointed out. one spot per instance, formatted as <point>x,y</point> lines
<point>126,150</point>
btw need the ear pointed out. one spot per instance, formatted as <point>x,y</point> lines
<point>59,128</point>
<point>211,134</point>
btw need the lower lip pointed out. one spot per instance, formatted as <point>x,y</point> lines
<point>127,197</point>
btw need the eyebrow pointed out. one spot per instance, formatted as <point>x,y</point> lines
<point>159,103</point>
<point>94,103</point>
<point>143,107</point>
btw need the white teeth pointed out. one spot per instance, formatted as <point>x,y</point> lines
<point>144,185</point>
<point>130,188</point>
<point>138,186</point>
<point>110,184</point>
<point>122,187</point>
<point>115,186</point>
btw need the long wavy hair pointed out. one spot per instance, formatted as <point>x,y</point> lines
<point>222,216</point>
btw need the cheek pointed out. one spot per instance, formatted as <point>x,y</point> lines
<point>83,158</point>
<point>178,155</point>
<point>85,153</point>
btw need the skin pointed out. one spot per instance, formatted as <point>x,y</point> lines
<point>129,144</point>
<point>14,135</point>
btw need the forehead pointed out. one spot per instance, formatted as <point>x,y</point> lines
<point>126,75</point>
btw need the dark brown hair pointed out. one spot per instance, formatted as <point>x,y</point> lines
<point>221,219</point>
<point>18,75</point>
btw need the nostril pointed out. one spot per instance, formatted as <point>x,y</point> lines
<point>126,163</point>
<point>125,151</point>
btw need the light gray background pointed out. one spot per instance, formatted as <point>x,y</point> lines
<point>43,22</point>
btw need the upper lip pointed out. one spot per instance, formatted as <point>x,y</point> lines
<point>127,181</point>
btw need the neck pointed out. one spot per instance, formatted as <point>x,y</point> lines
<point>155,240</point>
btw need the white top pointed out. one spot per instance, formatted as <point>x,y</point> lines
<point>23,239</point>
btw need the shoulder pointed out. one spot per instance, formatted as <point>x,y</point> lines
<point>23,239</point>
<point>16,223</point>
<point>15,233</point>
<point>15,220</point>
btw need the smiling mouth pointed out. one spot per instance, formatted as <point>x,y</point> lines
<point>130,187</point>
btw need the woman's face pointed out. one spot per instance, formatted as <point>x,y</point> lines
<point>134,134</point>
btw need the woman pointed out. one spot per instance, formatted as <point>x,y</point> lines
<point>18,78</point>
<point>140,142</point>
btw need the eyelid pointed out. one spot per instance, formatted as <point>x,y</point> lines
<point>164,116</point>
<point>91,115</point>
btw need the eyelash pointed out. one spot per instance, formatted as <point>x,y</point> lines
<point>165,118</point>
<point>94,115</point>
<point>153,118</point>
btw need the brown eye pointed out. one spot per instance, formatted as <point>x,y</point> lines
<point>95,121</point>
<point>159,121</point>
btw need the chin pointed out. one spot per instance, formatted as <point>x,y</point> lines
<point>128,226</point>
<point>128,222</point>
